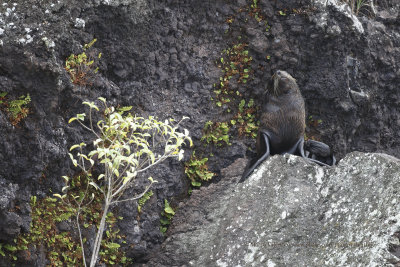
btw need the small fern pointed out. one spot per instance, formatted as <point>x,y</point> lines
<point>144,199</point>
<point>17,109</point>
<point>82,67</point>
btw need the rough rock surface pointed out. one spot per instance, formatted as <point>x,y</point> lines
<point>292,213</point>
<point>159,56</point>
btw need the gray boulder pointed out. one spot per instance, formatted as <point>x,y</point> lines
<point>292,213</point>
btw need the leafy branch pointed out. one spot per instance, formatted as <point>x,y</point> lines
<point>126,146</point>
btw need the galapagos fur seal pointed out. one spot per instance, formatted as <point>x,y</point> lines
<point>282,124</point>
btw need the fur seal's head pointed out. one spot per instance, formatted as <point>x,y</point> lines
<point>282,83</point>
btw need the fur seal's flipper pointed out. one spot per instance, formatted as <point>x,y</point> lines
<point>254,164</point>
<point>318,152</point>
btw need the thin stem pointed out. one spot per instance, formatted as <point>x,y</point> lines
<point>99,235</point>
<point>134,198</point>
<point>80,237</point>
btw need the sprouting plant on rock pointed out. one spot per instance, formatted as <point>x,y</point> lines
<point>167,215</point>
<point>143,200</point>
<point>82,67</point>
<point>245,119</point>
<point>216,133</point>
<point>196,170</point>
<point>125,146</point>
<point>17,109</point>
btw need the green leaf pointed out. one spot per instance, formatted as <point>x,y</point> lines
<point>168,208</point>
<point>58,195</point>
<point>72,119</point>
<point>10,248</point>
<point>102,99</point>
<point>195,183</point>
<point>73,147</point>
<point>94,185</point>
<point>165,221</point>
<point>81,116</point>
<point>124,109</point>
<point>112,245</point>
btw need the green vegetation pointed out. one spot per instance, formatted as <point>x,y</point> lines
<point>196,170</point>
<point>235,64</point>
<point>144,199</point>
<point>17,109</point>
<point>82,67</point>
<point>167,215</point>
<point>216,133</point>
<point>125,146</point>
<point>62,249</point>
<point>246,119</point>
<point>255,11</point>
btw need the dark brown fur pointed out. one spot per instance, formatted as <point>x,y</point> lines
<point>282,121</point>
<point>283,114</point>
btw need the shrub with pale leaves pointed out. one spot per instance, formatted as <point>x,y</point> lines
<point>126,145</point>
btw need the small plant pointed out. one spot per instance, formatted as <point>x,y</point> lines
<point>17,109</point>
<point>216,133</point>
<point>125,146</point>
<point>82,67</point>
<point>196,170</point>
<point>255,11</point>
<point>168,213</point>
<point>144,199</point>
<point>282,12</point>
<point>246,119</point>
<point>235,64</point>
<point>61,248</point>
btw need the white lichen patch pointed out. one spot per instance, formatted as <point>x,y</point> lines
<point>284,215</point>
<point>221,263</point>
<point>319,175</point>
<point>79,23</point>
<point>249,257</point>
<point>270,263</point>
<point>343,8</point>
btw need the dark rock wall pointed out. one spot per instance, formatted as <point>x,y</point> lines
<point>158,56</point>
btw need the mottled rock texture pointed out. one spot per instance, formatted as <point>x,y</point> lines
<point>292,213</point>
<point>159,57</point>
